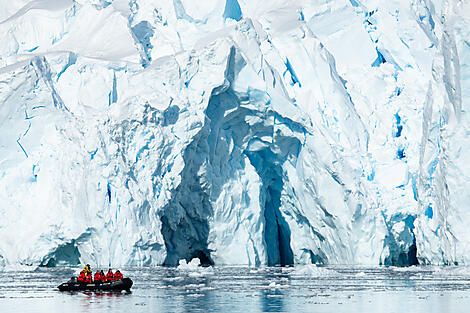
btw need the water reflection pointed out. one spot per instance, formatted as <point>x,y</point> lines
<point>91,300</point>
<point>272,301</point>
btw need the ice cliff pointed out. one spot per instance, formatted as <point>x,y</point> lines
<point>139,132</point>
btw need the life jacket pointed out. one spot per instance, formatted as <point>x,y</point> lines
<point>97,277</point>
<point>102,277</point>
<point>117,275</point>
<point>88,278</point>
<point>110,276</point>
<point>82,276</point>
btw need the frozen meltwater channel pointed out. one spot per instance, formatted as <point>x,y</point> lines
<point>243,289</point>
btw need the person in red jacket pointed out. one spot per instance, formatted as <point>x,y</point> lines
<point>97,277</point>
<point>81,277</point>
<point>85,274</point>
<point>102,276</point>
<point>110,275</point>
<point>117,275</point>
<point>88,278</point>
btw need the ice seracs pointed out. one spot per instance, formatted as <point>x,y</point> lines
<point>235,132</point>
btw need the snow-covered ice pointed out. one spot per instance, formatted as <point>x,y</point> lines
<point>236,132</point>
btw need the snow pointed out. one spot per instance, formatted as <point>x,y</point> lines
<point>234,132</point>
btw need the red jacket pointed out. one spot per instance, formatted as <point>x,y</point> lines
<point>82,276</point>
<point>117,275</point>
<point>110,276</point>
<point>102,277</point>
<point>88,278</point>
<point>97,277</point>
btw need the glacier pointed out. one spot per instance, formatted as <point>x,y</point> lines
<point>141,133</point>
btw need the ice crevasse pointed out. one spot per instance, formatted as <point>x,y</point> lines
<point>238,132</point>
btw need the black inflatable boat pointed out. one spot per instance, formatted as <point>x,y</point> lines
<point>114,285</point>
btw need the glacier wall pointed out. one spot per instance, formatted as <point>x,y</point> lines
<point>140,132</point>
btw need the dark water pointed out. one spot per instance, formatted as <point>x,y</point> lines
<point>241,289</point>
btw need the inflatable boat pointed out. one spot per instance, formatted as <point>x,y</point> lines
<point>113,285</point>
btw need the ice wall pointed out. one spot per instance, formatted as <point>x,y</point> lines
<point>238,132</point>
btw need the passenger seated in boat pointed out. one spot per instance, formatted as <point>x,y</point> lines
<point>102,276</point>
<point>109,275</point>
<point>81,277</point>
<point>117,275</point>
<point>84,273</point>
<point>88,278</point>
<point>97,277</point>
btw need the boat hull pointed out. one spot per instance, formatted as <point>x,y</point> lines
<point>114,285</point>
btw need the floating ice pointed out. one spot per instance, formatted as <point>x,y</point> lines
<point>194,268</point>
<point>194,264</point>
<point>312,270</point>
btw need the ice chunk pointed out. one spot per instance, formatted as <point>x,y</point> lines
<point>312,270</point>
<point>192,265</point>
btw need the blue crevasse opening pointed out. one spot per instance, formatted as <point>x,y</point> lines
<point>108,187</point>
<point>112,96</point>
<point>380,59</point>
<point>403,249</point>
<point>92,156</point>
<point>401,153</point>
<point>398,125</point>
<point>428,17</point>
<point>144,32</point>
<point>102,4</point>
<point>411,257</point>
<point>24,151</point>
<point>354,3</point>
<point>409,221</point>
<point>413,185</point>
<point>432,166</point>
<point>35,172</point>
<point>232,10</point>
<point>429,212</point>
<point>32,49</point>
<point>293,76</point>
<point>277,232</point>
<point>66,254</point>
<point>431,22</point>
<point>171,115</point>
<point>71,61</point>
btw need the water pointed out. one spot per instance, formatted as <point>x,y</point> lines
<point>241,289</point>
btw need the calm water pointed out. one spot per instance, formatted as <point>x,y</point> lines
<point>237,289</point>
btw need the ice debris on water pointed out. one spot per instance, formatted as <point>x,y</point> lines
<point>312,270</point>
<point>194,264</point>
<point>194,268</point>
